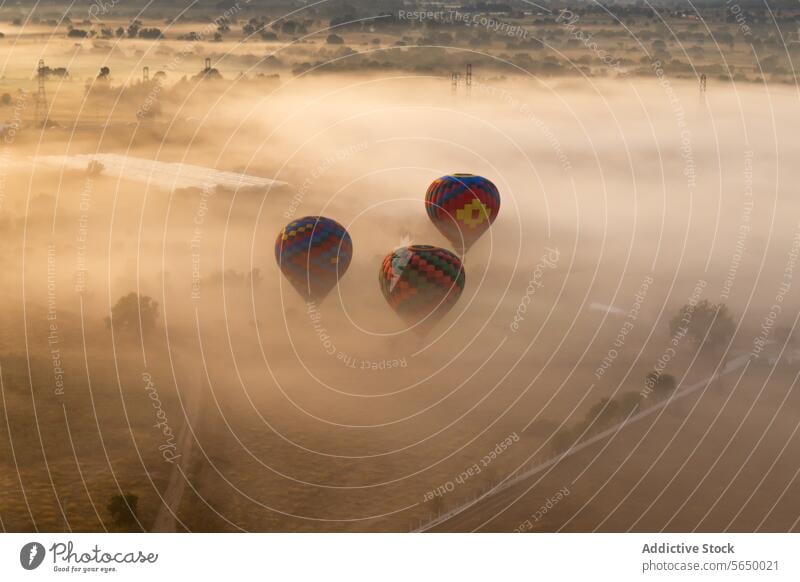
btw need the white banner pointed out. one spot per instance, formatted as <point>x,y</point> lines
<point>401,557</point>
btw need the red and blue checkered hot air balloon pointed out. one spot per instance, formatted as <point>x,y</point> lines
<point>463,207</point>
<point>313,252</point>
<point>421,283</point>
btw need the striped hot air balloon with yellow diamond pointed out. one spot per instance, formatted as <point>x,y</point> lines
<point>462,207</point>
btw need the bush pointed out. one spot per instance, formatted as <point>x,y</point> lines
<point>151,33</point>
<point>123,510</point>
<point>661,384</point>
<point>131,310</point>
<point>706,324</point>
<point>133,28</point>
<point>602,413</point>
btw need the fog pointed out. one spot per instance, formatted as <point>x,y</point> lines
<point>348,422</point>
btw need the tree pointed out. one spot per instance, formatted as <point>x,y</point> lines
<point>253,26</point>
<point>150,33</point>
<point>133,28</point>
<point>133,309</point>
<point>602,413</point>
<point>662,385</point>
<point>335,39</point>
<point>706,324</point>
<point>123,510</point>
<point>103,74</point>
<point>289,27</point>
<point>77,33</point>
<point>5,99</point>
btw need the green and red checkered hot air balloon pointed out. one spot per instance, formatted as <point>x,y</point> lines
<point>421,283</point>
<point>462,207</point>
<point>313,253</point>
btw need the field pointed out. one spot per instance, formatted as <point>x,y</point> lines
<point>150,346</point>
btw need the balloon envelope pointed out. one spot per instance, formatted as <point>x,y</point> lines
<point>421,282</point>
<point>463,207</point>
<point>313,253</point>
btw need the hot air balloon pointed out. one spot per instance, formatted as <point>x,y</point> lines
<point>313,252</point>
<point>463,207</point>
<point>421,283</point>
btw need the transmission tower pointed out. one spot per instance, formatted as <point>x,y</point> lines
<point>469,79</point>
<point>454,80</point>
<point>703,79</point>
<point>41,95</point>
<point>145,74</point>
